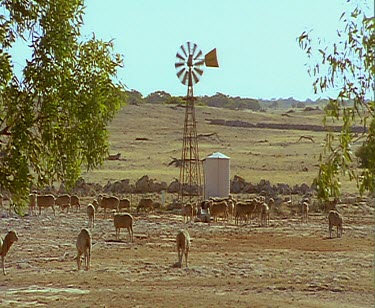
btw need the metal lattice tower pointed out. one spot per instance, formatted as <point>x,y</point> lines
<point>189,65</point>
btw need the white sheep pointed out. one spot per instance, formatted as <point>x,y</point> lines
<point>183,246</point>
<point>265,215</point>
<point>124,220</point>
<point>5,245</point>
<point>84,245</point>
<point>91,215</point>
<point>305,211</point>
<point>335,219</point>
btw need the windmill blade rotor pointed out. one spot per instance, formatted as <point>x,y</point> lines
<point>200,53</point>
<point>180,57</point>
<point>180,72</point>
<point>188,45</point>
<point>195,77</point>
<point>198,70</point>
<point>179,64</point>
<point>200,62</point>
<point>185,78</point>
<point>194,49</point>
<point>182,47</point>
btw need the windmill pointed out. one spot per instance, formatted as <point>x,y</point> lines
<point>189,65</point>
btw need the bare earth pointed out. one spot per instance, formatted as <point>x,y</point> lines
<point>288,264</point>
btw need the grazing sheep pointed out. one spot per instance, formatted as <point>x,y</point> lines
<point>63,202</point>
<point>111,203</point>
<point>305,211</point>
<point>124,204</point>
<point>5,245</point>
<point>183,246</point>
<point>45,201</point>
<point>95,203</point>
<point>219,209</point>
<point>146,204</point>
<point>187,212</point>
<point>124,220</point>
<point>335,219</point>
<point>91,215</point>
<point>265,215</point>
<point>32,203</point>
<point>84,244</point>
<point>75,203</point>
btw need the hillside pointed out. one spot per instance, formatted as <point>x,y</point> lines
<point>149,136</point>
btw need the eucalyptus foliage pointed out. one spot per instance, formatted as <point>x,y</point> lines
<point>348,67</point>
<point>54,113</point>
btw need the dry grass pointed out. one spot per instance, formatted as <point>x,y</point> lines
<point>275,155</point>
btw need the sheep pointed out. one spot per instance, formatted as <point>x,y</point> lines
<point>146,204</point>
<point>75,203</point>
<point>219,209</point>
<point>124,204</point>
<point>111,203</point>
<point>84,245</point>
<point>45,201</point>
<point>63,202</point>
<point>305,211</point>
<point>183,246</point>
<point>32,203</point>
<point>265,215</point>
<point>187,212</point>
<point>124,220</point>
<point>95,203</point>
<point>335,219</point>
<point>244,210</point>
<point>91,215</point>
<point>5,245</point>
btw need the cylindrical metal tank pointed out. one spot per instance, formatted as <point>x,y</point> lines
<point>216,175</point>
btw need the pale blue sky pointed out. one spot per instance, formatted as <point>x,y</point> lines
<point>258,54</point>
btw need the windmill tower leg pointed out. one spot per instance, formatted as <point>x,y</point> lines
<point>190,169</point>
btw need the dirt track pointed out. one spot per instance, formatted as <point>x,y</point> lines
<point>288,264</point>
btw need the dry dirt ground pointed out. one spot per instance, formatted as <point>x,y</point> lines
<point>288,264</point>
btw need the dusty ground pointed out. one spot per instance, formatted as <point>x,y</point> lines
<point>287,264</point>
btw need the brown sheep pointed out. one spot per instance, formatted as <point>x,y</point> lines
<point>75,203</point>
<point>124,220</point>
<point>91,215</point>
<point>45,201</point>
<point>187,212</point>
<point>335,219</point>
<point>5,245</point>
<point>32,203</point>
<point>146,204</point>
<point>124,204</point>
<point>111,203</point>
<point>183,246</point>
<point>63,202</point>
<point>219,209</point>
<point>84,245</point>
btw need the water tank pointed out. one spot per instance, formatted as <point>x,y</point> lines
<point>216,169</point>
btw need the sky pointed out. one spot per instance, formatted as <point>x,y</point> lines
<point>256,42</point>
